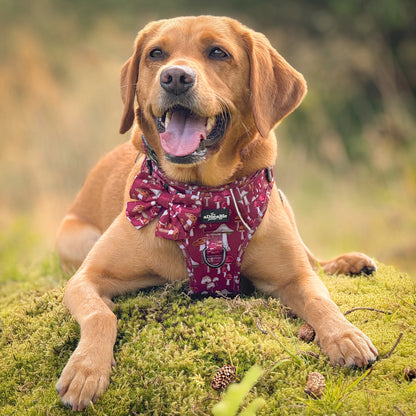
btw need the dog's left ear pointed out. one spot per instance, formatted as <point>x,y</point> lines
<point>276,88</point>
<point>128,80</point>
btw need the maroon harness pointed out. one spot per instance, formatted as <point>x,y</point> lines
<point>212,226</point>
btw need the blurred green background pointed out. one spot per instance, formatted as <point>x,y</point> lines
<point>347,156</point>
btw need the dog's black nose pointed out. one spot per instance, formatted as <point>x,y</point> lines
<point>177,79</point>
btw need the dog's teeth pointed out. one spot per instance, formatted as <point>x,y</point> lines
<point>210,124</point>
<point>167,119</point>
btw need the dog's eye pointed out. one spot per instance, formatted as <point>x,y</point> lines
<point>156,53</point>
<point>218,53</point>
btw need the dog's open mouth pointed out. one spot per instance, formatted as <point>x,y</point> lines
<point>185,136</point>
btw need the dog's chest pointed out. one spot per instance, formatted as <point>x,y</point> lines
<point>212,226</point>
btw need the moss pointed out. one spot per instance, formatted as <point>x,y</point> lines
<point>169,347</point>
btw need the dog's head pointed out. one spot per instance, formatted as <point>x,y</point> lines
<point>206,88</point>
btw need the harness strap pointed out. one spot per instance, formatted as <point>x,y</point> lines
<point>212,226</point>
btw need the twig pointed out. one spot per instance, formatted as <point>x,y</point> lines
<point>263,331</point>
<point>363,308</point>
<point>399,411</point>
<point>393,348</point>
<point>407,303</point>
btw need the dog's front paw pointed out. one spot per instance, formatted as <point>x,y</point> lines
<point>348,346</point>
<point>85,377</point>
<point>350,263</point>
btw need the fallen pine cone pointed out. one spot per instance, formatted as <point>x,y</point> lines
<point>315,385</point>
<point>409,373</point>
<point>306,333</point>
<point>224,377</point>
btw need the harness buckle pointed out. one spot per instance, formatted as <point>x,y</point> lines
<point>214,266</point>
<point>215,252</point>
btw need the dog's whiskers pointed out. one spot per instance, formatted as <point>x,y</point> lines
<point>225,109</point>
<point>248,132</point>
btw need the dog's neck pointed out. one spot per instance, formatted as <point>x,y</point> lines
<point>222,167</point>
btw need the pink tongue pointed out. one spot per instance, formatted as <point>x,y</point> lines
<point>183,135</point>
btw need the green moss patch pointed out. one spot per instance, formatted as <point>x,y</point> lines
<point>169,347</point>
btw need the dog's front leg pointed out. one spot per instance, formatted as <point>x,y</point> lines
<point>116,265</point>
<point>344,343</point>
<point>276,262</point>
<point>87,373</point>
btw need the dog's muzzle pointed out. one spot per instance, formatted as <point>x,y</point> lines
<point>185,136</point>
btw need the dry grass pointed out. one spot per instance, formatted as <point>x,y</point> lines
<point>60,110</point>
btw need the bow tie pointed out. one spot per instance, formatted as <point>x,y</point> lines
<point>152,196</point>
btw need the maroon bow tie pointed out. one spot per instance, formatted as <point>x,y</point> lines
<point>152,196</point>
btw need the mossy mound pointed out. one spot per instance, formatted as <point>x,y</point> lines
<point>169,347</point>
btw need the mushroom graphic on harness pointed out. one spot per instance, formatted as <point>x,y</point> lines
<point>212,226</point>
<point>217,199</point>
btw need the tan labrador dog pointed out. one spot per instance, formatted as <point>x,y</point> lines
<point>215,73</point>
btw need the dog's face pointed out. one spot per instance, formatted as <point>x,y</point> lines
<point>206,87</point>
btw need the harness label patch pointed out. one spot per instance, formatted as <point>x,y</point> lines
<point>209,216</point>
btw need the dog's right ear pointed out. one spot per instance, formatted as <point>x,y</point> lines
<point>276,88</point>
<point>128,81</point>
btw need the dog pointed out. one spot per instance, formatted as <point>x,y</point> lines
<point>203,95</point>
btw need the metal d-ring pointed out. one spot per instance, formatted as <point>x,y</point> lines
<point>214,266</point>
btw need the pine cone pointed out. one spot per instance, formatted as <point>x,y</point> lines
<point>409,373</point>
<point>315,386</point>
<point>306,333</point>
<point>224,377</point>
